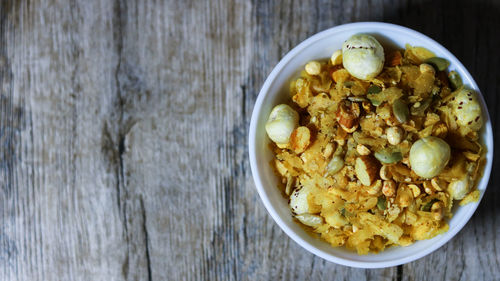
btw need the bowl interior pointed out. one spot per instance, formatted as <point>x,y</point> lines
<point>275,91</point>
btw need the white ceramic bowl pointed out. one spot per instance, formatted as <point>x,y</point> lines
<point>275,91</point>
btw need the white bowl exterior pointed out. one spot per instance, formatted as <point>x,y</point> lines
<point>275,91</point>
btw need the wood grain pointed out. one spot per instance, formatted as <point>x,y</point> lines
<point>124,127</point>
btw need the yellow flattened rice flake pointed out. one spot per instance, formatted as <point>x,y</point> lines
<point>431,119</point>
<point>426,227</point>
<point>335,219</point>
<point>303,93</point>
<point>410,73</point>
<point>423,84</point>
<point>387,95</point>
<point>341,75</point>
<point>334,236</point>
<point>360,241</point>
<point>321,83</point>
<point>390,75</point>
<point>378,244</point>
<point>319,103</point>
<point>280,167</point>
<point>417,54</point>
<point>471,197</point>
<point>406,240</point>
<point>380,227</point>
<point>422,53</point>
<point>426,132</point>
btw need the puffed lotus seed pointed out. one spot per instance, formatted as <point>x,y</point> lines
<point>363,56</point>
<point>281,123</point>
<point>429,156</point>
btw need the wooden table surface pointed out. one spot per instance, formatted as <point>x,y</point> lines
<point>123,137</point>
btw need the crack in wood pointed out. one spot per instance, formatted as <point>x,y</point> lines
<point>129,93</point>
<point>121,183</point>
<point>146,238</point>
<point>119,169</point>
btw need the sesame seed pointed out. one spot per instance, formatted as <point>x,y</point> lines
<point>477,118</point>
<point>461,103</point>
<point>459,107</point>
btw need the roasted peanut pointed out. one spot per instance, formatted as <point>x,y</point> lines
<point>347,116</point>
<point>384,173</point>
<point>336,57</point>
<point>300,139</point>
<point>415,190</point>
<point>327,152</point>
<point>437,184</point>
<point>367,169</point>
<point>362,149</point>
<point>313,68</point>
<point>394,135</point>
<point>374,188</point>
<point>437,210</point>
<point>428,187</point>
<point>424,67</point>
<point>389,188</point>
<point>404,196</point>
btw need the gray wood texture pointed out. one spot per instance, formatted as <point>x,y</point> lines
<point>123,137</point>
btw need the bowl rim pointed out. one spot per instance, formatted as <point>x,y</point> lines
<point>358,26</point>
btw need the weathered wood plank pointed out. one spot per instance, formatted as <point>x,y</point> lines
<point>59,219</point>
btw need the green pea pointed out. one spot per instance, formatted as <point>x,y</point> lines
<point>356,99</point>
<point>400,110</point>
<point>374,89</point>
<point>348,84</point>
<point>381,202</point>
<point>375,101</point>
<point>419,111</point>
<point>440,64</point>
<point>335,165</point>
<point>387,156</point>
<point>455,80</point>
<point>427,207</point>
<point>372,92</point>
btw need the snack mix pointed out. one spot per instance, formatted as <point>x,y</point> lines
<point>376,146</point>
